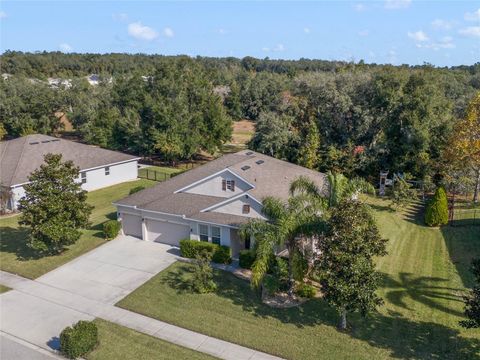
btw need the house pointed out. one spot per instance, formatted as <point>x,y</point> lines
<point>98,167</point>
<point>210,202</point>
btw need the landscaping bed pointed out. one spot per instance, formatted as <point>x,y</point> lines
<point>424,277</point>
<point>16,257</point>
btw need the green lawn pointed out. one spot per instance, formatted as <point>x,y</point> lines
<point>4,288</point>
<point>17,258</point>
<point>163,169</point>
<point>424,278</point>
<point>118,342</point>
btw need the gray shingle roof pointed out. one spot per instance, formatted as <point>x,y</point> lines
<point>271,177</point>
<point>21,156</point>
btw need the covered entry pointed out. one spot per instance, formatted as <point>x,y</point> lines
<point>166,232</point>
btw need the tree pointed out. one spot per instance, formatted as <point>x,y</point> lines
<point>54,207</point>
<point>308,154</point>
<point>341,188</point>
<point>287,222</point>
<point>402,192</point>
<point>472,301</point>
<point>347,251</point>
<point>437,209</point>
<point>202,278</point>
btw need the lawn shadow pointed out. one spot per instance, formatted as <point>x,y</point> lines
<point>423,289</point>
<point>99,227</point>
<point>415,213</point>
<point>14,240</point>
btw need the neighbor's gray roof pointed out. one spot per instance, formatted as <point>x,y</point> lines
<point>21,156</point>
<point>270,178</point>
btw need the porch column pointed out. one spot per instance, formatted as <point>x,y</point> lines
<point>144,229</point>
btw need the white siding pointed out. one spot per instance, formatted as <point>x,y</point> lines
<point>96,178</point>
<point>213,186</point>
<point>235,207</point>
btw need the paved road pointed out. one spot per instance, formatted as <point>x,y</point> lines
<point>15,349</point>
<point>86,288</point>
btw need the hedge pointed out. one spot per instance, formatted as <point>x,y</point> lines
<point>136,189</point>
<point>220,254</point>
<point>246,259</point>
<point>437,209</point>
<point>78,340</point>
<point>111,229</point>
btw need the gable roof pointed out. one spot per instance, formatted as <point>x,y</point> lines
<point>269,176</point>
<point>20,157</point>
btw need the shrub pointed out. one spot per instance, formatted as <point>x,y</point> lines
<point>280,268</point>
<point>271,284</point>
<point>219,254</point>
<point>437,209</point>
<point>111,229</point>
<point>306,291</point>
<point>202,279</point>
<point>222,255</point>
<point>246,259</point>
<point>79,339</point>
<point>299,266</point>
<point>136,189</point>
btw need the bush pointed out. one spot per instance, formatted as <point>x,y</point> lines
<point>78,340</point>
<point>202,278</point>
<point>219,254</point>
<point>136,189</point>
<point>111,229</point>
<point>299,266</point>
<point>223,255</point>
<point>437,209</point>
<point>246,259</point>
<point>306,291</point>
<point>271,284</point>
<point>280,268</point>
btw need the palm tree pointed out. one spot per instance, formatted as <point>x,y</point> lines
<point>340,187</point>
<point>301,215</point>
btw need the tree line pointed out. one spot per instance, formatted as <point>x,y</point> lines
<point>353,118</point>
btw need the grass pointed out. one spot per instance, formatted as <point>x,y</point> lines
<point>4,288</point>
<point>162,169</point>
<point>16,257</point>
<point>118,342</point>
<point>424,277</point>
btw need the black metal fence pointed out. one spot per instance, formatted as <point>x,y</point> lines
<point>150,174</point>
<point>465,217</point>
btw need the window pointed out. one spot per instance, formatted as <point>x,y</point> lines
<point>203,231</point>
<point>215,235</point>
<point>228,185</point>
<point>246,209</point>
<point>84,177</point>
<point>107,170</point>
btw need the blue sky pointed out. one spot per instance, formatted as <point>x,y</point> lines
<point>443,33</point>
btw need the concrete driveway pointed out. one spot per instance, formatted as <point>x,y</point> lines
<point>112,271</point>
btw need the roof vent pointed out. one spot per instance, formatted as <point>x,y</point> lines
<point>249,153</point>
<point>259,162</point>
<point>246,167</point>
<point>45,141</point>
<point>34,143</point>
<point>55,140</point>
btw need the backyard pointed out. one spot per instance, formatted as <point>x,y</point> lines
<point>16,257</point>
<point>425,275</point>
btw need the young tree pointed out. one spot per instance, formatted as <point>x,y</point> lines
<point>348,248</point>
<point>437,209</point>
<point>402,192</point>
<point>55,206</point>
<point>472,301</point>
<point>202,279</point>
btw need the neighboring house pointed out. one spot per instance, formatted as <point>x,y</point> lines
<point>210,202</point>
<point>98,167</point>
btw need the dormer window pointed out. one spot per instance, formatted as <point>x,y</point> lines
<point>228,185</point>
<point>246,209</point>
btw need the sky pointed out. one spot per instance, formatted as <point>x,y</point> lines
<point>442,33</point>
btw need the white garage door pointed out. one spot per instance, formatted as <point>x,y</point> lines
<point>132,225</point>
<point>167,232</point>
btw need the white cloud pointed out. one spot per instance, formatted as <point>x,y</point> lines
<point>392,57</point>
<point>418,36</point>
<point>222,31</point>
<point>473,31</point>
<point>363,33</point>
<point>120,17</point>
<point>277,48</point>
<point>139,31</point>
<point>306,30</point>
<point>472,16</point>
<point>168,32</point>
<point>64,47</point>
<point>3,14</point>
<point>397,4</point>
<point>440,24</point>
<point>359,7</point>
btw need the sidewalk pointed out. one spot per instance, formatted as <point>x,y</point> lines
<point>33,294</point>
